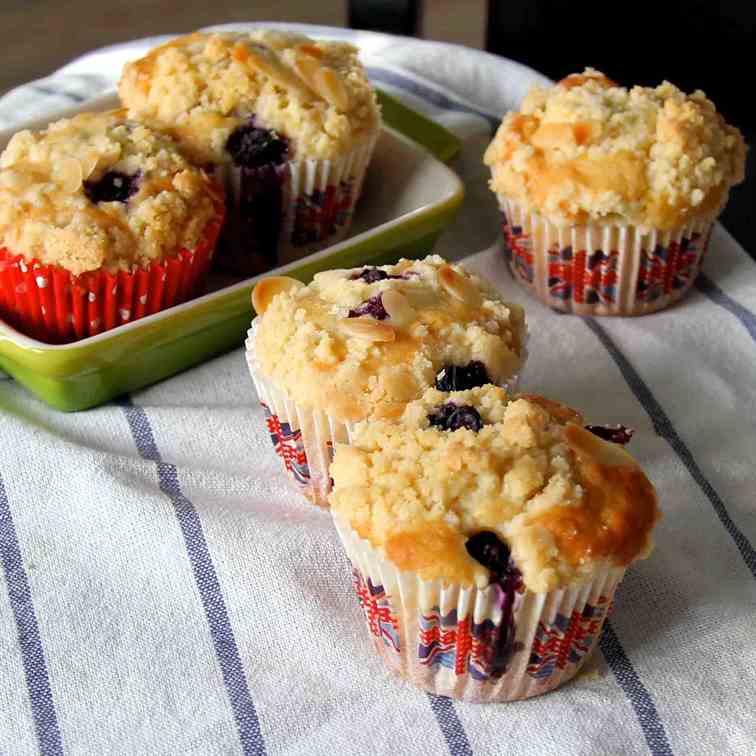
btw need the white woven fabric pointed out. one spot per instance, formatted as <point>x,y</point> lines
<point>162,592</point>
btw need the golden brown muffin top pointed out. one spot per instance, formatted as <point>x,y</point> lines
<point>101,191</point>
<point>203,86</point>
<point>363,342</point>
<point>565,502</point>
<point>588,149</point>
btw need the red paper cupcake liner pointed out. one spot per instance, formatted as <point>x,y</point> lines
<point>50,304</point>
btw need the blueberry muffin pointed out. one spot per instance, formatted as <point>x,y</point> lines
<point>102,221</point>
<point>289,123</point>
<point>362,343</point>
<point>483,526</point>
<point>609,193</point>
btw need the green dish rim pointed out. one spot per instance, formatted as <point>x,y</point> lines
<point>80,374</point>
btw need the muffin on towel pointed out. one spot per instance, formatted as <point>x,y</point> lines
<point>609,194</point>
<point>487,536</point>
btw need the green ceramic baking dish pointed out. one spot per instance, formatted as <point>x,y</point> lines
<point>409,197</point>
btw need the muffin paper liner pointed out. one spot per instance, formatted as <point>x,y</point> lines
<point>278,214</point>
<point>476,644</point>
<point>50,304</point>
<point>303,437</point>
<point>602,269</point>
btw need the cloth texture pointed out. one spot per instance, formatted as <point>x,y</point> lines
<point>162,591</point>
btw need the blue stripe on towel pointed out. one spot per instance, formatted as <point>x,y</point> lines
<point>29,642</point>
<point>433,96</point>
<point>747,319</point>
<point>639,697</point>
<point>451,727</point>
<point>663,426</point>
<point>206,579</point>
<point>74,97</point>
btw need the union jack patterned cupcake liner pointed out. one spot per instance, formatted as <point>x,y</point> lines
<point>602,270</point>
<point>277,214</point>
<point>485,645</point>
<point>304,438</point>
<point>50,304</point>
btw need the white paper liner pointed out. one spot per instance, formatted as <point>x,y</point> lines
<point>554,632</point>
<point>304,438</point>
<point>303,228</point>
<point>597,269</point>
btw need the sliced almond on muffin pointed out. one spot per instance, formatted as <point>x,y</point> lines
<point>321,79</point>
<point>459,286</point>
<point>268,288</point>
<point>367,328</point>
<point>266,61</point>
<point>398,308</point>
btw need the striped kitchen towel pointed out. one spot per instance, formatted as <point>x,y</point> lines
<point>162,592</point>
